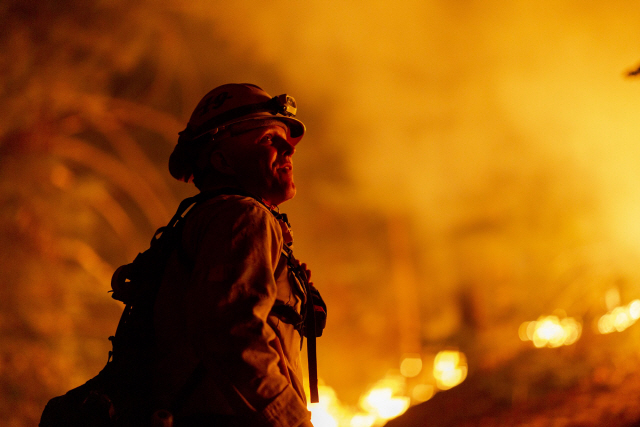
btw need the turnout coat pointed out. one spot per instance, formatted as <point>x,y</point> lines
<point>213,314</point>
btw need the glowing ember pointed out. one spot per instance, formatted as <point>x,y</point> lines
<point>620,318</point>
<point>449,369</point>
<point>550,331</point>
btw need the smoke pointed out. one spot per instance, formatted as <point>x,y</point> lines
<point>454,113</point>
<point>497,139</point>
<point>427,102</point>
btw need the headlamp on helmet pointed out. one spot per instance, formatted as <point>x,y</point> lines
<point>286,105</point>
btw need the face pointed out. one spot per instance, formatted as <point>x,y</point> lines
<point>261,162</point>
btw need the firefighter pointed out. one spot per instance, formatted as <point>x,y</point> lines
<point>229,313</point>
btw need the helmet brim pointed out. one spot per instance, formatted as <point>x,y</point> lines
<point>295,126</point>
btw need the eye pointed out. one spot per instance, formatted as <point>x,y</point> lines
<point>266,139</point>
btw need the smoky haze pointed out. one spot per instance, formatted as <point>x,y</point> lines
<point>467,166</point>
<point>503,137</point>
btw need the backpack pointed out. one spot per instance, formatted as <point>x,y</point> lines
<point>120,395</point>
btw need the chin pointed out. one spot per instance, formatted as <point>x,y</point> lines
<point>291,194</point>
<point>284,195</point>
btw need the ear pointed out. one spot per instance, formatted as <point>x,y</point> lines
<point>220,162</point>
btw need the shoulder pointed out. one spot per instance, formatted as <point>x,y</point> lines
<point>233,213</point>
<point>233,206</point>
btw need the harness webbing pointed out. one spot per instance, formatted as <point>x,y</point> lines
<point>309,324</point>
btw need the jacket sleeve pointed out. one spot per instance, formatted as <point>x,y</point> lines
<point>231,293</point>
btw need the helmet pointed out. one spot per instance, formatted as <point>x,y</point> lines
<point>227,105</point>
<point>234,103</point>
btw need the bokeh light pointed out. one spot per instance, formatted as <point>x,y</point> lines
<point>422,392</point>
<point>449,369</point>
<point>620,318</point>
<point>551,331</point>
<point>411,366</point>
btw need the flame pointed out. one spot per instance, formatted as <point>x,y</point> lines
<point>385,400</point>
<point>362,420</point>
<point>320,417</point>
<point>449,369</point>
<point>550,331</point>
<point>620,318</point>
<point>382,402</point>
<point>328,411</point>
<point>388,398</point>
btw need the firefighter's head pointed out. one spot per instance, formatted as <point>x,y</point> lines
<point>240,136</point>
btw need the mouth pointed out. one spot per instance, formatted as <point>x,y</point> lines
<point>286,167</point>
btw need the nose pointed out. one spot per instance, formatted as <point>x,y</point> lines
<point>287,149</point>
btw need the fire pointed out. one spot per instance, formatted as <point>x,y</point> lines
<point>391,396</point>
<point>620,318</point>
<point>551,331</point>
<point>328,412</point>
<point>321,418</point>
<point>362,420</point>
<point>386,400</point>
<point>449,369</point>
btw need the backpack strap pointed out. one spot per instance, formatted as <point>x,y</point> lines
<point>308,322</point>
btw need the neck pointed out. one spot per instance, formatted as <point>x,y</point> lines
<point>236,189</point>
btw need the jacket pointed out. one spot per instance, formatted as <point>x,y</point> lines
<point>213,310</point>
